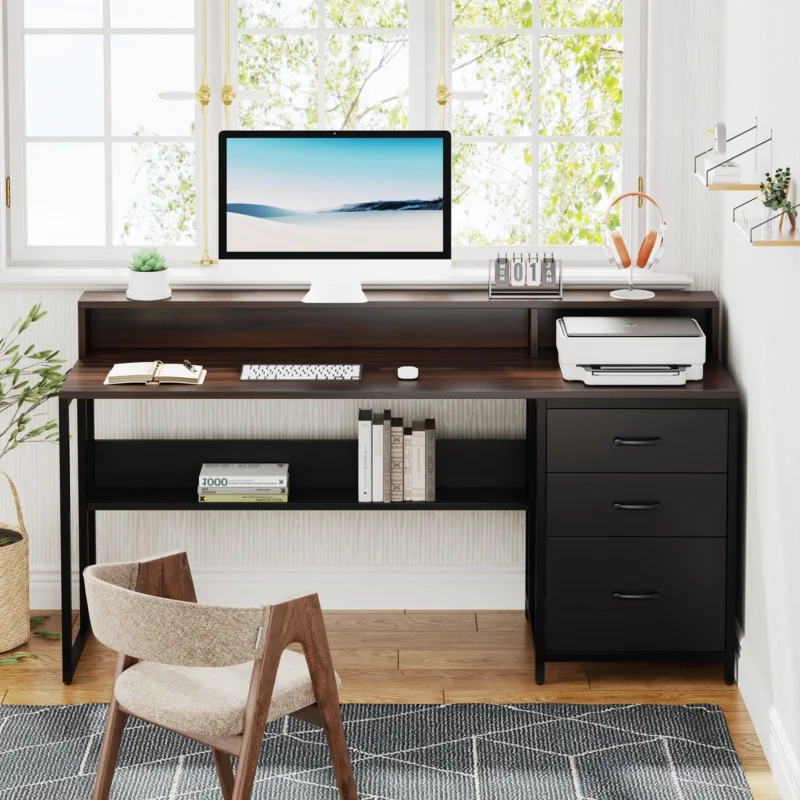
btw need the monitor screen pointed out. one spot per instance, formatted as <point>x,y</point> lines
<point>334,194</point>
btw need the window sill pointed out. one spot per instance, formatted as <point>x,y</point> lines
<point>236,276</point>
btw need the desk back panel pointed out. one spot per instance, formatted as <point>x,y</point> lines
<point>308,327</point>
<point>318,463</point>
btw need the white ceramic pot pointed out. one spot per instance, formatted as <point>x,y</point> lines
<point>148,285</point>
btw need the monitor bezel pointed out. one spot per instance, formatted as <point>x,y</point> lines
<point>444,136</point>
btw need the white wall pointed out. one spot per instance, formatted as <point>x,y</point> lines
<point>715,60</point>
<point>683,93</point>
<point>760,289</point>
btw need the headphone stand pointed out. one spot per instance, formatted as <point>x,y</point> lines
<point>630,293</point>
<point>633,294</point>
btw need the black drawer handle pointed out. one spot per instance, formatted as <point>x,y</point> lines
<point>646,441</point>
<point>628,596</point>
<point>637,506</point>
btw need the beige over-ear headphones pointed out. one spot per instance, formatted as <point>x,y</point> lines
<point>651,248</point>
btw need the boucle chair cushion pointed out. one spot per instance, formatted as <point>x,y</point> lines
<point>209,701</point>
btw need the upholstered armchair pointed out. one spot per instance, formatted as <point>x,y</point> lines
<point>215,674</point>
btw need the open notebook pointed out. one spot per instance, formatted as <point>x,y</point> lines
<point>154,372</point>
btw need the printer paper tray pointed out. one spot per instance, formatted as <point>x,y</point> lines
<point>634,375</point>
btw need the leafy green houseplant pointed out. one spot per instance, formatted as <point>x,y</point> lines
<point>775,194</point>
<point>148,275</point>
<point>29,377</point>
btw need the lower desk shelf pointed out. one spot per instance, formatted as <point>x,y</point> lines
<point>161,475</point>
<point>310,499</point>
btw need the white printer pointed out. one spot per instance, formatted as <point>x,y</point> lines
<point>630,351</point>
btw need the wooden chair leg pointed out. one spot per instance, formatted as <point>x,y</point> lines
<point>222,761</point>
<point>337,744</point>
<point>255,718</point>
<point>294,621</point>
<point>323,678</point>
<point>112,738</point>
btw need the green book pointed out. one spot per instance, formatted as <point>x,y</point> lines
<point>243,498</point>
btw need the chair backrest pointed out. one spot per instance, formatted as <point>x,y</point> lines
<point>168,631</point>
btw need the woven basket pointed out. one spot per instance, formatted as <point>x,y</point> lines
<point>15,622</point>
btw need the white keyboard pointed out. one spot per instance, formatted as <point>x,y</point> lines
<point>301,372</point>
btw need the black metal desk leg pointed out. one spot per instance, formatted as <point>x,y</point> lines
<point>91,479</point>
<point>66,541</point>
<point>84,536</point>
<point>71,651</point>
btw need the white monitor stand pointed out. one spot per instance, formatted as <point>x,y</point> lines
<point>340,281</point>
<point>335,292</point>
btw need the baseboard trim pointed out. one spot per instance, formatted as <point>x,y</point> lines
<point>358,588</point>
<point>783,761</point>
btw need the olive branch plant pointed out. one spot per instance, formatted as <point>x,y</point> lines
<point>28,378</point>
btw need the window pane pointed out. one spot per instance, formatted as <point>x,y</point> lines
<point>64,85</point>
<point>154,193</point>
<point>501,67</point>
<point>580,89</point>
<point>491,193</point>
<point>576,184</point>
<point>152,14</point>
<point>580,13</point>
<point>277,13</point>
<point>63,13</point>
<point>366,13</point>
<point>284,68</point>
<point>66,193</point>
<point>137,82</point>
<point>510,14</point>
<point>366,82</point>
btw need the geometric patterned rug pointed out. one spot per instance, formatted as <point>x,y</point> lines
<point>399,752</point>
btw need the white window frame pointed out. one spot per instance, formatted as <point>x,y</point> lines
<point>419,83</point>
<point>19,252</point>
<point>424,51</point>
<point>632,139</point>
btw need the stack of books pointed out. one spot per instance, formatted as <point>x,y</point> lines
<point>396,464</point>
<point>243,483</point>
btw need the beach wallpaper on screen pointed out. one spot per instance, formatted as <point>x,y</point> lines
<point>334,195</point>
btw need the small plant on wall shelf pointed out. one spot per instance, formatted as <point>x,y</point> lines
<point>775,193</point>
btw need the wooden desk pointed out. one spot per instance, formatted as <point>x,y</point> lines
<point>465,347</point>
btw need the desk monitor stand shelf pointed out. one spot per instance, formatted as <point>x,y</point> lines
<point>606,577</point>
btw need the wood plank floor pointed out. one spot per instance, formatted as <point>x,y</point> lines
<point>435,657</point>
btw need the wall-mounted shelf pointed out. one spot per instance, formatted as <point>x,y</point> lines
<point>705,176</point>
<point>728,187</point>
<point>759,232</point>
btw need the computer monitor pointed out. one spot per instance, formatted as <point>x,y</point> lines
<point>335,196</point>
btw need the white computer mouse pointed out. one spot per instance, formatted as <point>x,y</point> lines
<point>407,373</point>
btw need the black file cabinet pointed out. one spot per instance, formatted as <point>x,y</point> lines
<point>632,550</point>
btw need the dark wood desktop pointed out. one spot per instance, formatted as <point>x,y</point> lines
<point>651,575</point>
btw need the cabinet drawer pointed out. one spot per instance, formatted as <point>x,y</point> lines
<point>637,440</point>
<point>635,595</point>
<point>636,505</point>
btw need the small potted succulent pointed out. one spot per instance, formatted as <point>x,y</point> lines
<point>148,275</point>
